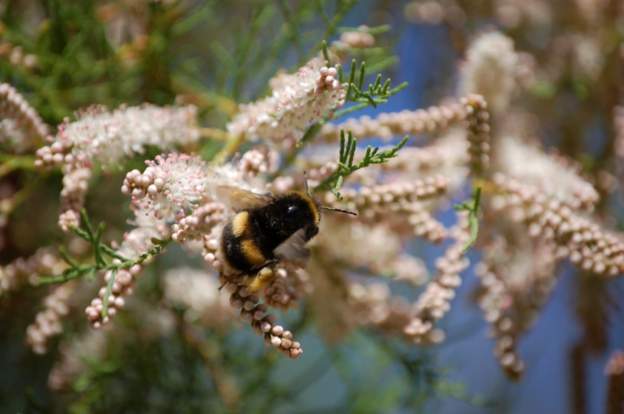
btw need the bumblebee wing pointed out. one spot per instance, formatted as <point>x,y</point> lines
<point>293,248</point>
<point>240,199</point>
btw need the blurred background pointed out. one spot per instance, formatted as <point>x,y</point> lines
<point>67,55</point>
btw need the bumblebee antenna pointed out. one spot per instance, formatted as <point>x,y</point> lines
<point>339,210</point>
<point>335,210</point>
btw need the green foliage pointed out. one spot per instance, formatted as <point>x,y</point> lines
<point>472,207</point>
<point>347,166</point>
<point>77,66</point>
<point>376,93</point>
<point>274,31</point>
<point>103,257</point>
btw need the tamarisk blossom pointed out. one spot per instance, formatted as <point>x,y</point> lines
<point>176,196</point>
<point>257,161</point>
<point>530,165</point>
<point>471,112</point>
<point>48,321</point>
<point>447,156</point>
<point>517,278</point>
<point>256,314</point>
<point>547,214</point>
<point>20,125</point>
<point>169,187</point>
<point>578,237</point>
<point>289,284</point>
<point>478,135</point>
<point>355,39</point>
<point>390,124</point>
<point>198,293</point>
<point>374,305</point>
<point>107,137</point>
<point>296,102</point>
<point>44,261</point>
<point>99,136</point>
<point>376,246</point>
<point>136,242</point>
<point>395,202</point>
<point>434,12</point>
<point>434,302</point>
<point>512,13</point>
<point>517,274</point>
<point>342,303</point>
<point>490,70</point>
<point>200,222</point>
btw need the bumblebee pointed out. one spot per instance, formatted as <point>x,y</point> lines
<point>267,228</point>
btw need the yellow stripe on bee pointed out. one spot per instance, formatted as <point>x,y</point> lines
<point>252,253</point>
<point>240,223</point>
<point>312,205</point>
<point>262,280</point>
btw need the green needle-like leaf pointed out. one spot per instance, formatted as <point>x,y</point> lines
<point>346,165</point>
<point>472,207</point>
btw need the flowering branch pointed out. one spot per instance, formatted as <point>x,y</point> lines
<point>20,124</point>
<point>374,94</point>
<point>537,212</point>
<point>101,253</point>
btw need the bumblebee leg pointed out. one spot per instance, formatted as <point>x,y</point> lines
<point>262,279</point>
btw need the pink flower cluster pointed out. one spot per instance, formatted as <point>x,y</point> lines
<point>20,124</point>
<point>584,242</point>
<point>122,286</point>
<point>297,101</point>
<point>48,322</point>
<point>105,137</point>
<point>256,313</point>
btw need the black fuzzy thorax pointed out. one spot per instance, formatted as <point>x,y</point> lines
<point>272,224</point>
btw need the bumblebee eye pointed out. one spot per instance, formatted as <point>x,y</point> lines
<point>291,210</point>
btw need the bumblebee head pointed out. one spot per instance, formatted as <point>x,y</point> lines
<point>300,211</point>
<point>318,205</point>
